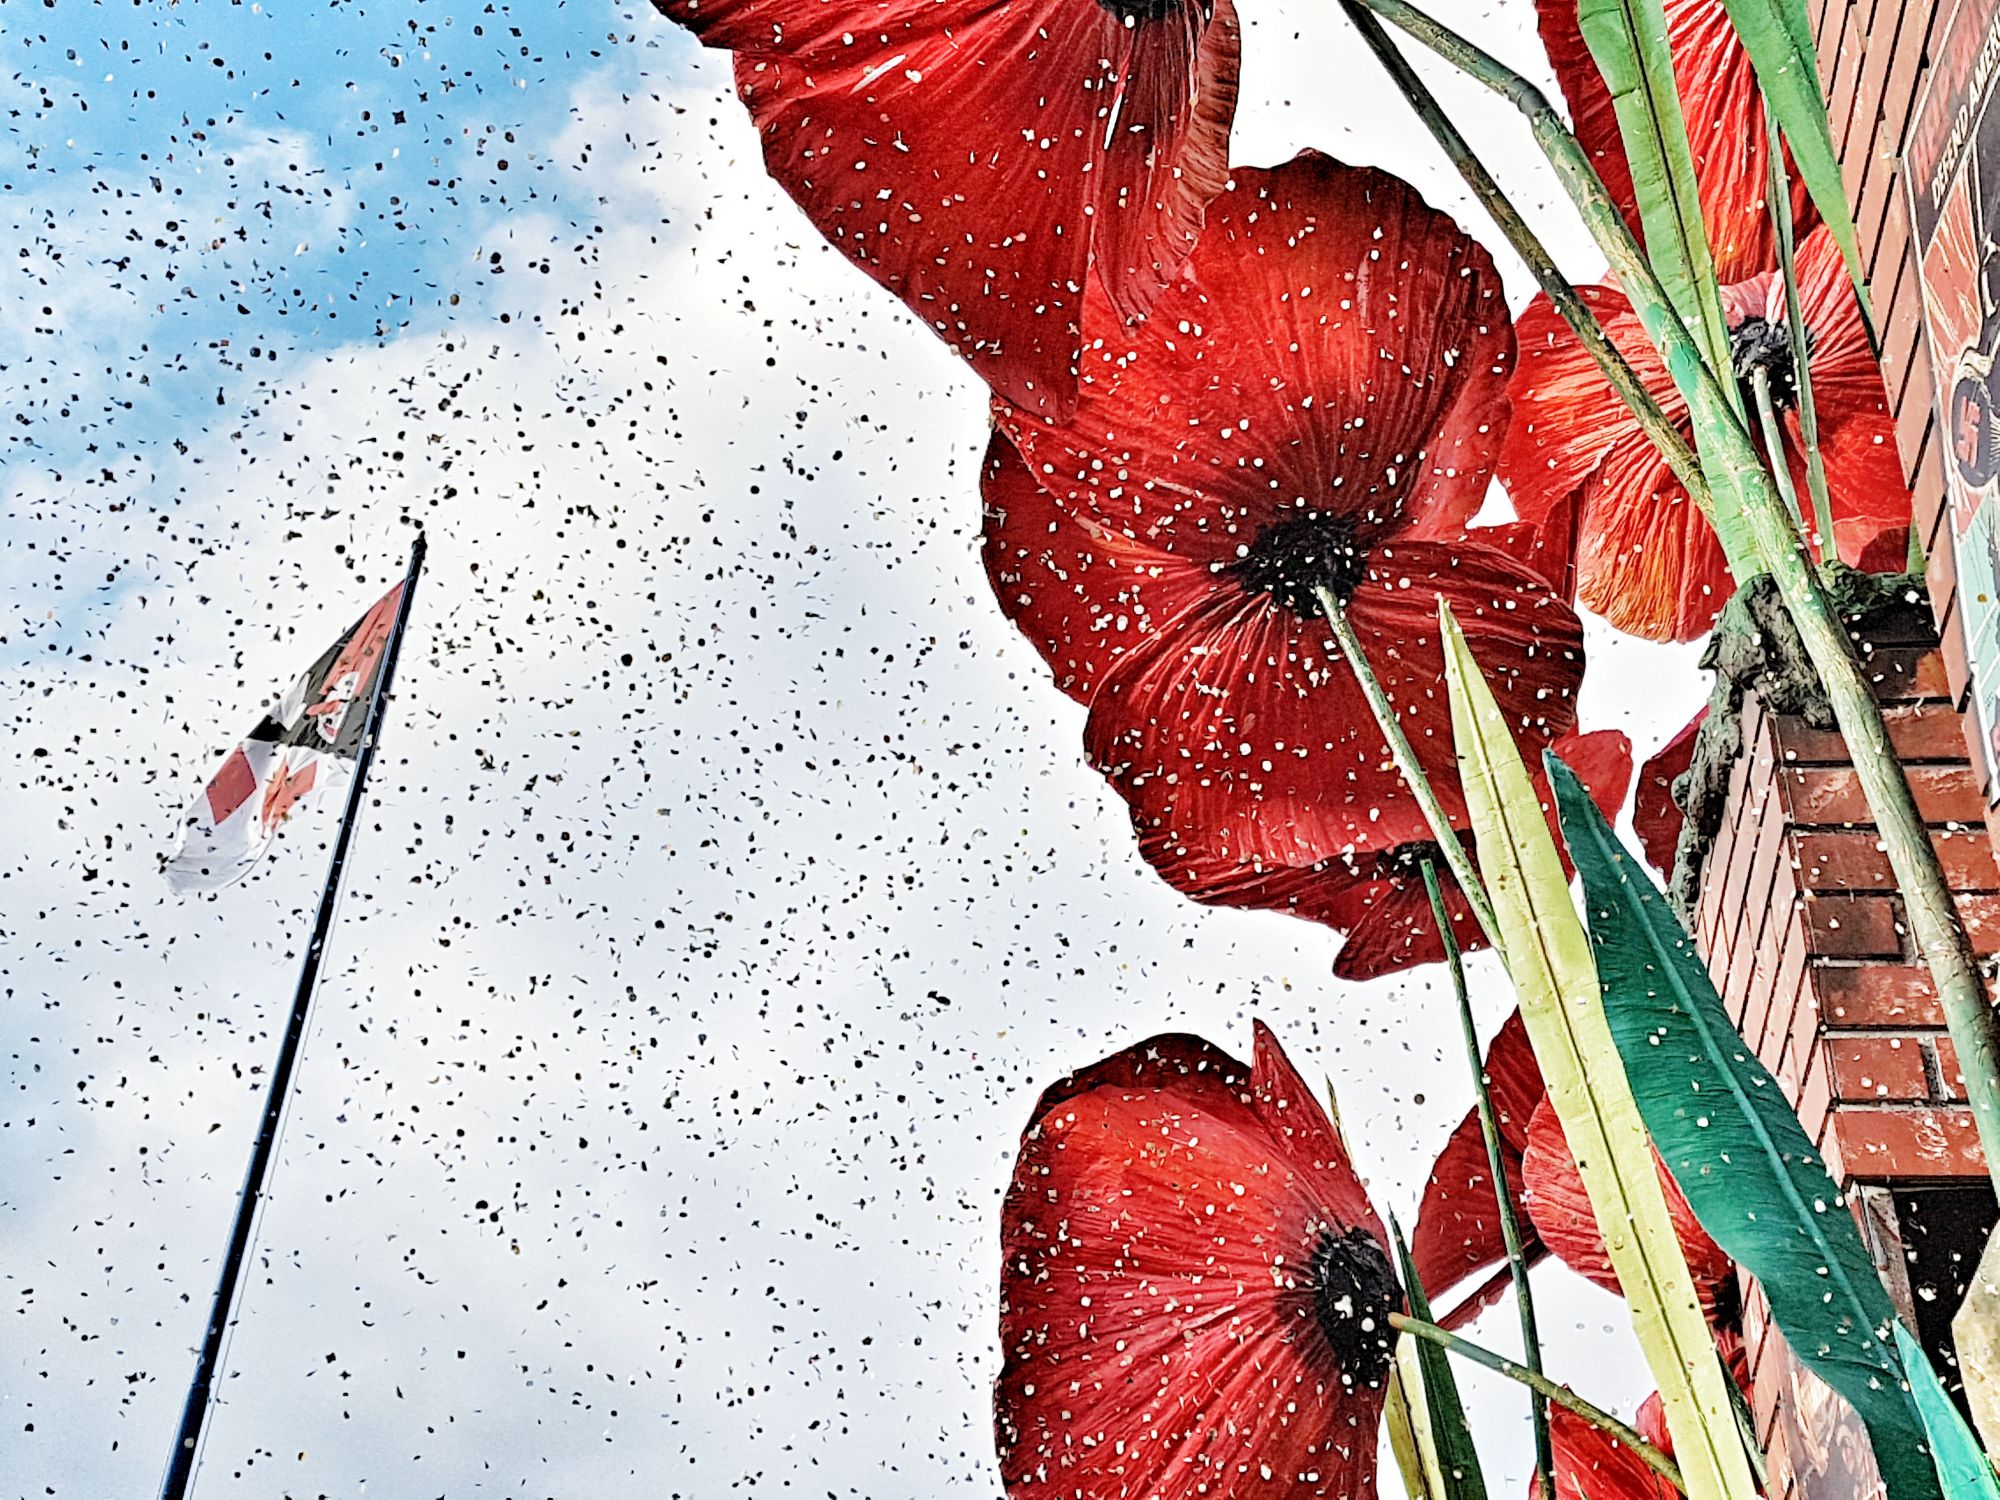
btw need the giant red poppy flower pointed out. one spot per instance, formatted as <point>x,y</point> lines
<point>1348,850</point>
<point>986,161</point>
<point>1724,111</point>
<point>1195,1294</point>
<point>1561,1211</point>
<point>1646,560</point>
<point>1314,405</point>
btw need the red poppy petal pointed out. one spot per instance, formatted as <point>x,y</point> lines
<point>1160,1245</point>
<point>1398,930</point>
<point>1458,1228</point>
<point>1562,1215</point>
<point>1238,737</point>
<point>1648,561</point>
<point>1317,292</point>
<point>1656,817</point>
<point>1567,419</point>
<point>1645,559</point>
<point>970,190</point>
<point>1592,1465</point>
<point>1602,761</point>
<point>1076,591</point>
<point>1157,179</point>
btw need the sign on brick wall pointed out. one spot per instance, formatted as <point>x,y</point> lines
<point>1951,170</point>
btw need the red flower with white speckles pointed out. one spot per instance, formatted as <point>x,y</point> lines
<point>987,161</point>
<point>1314,406</point>
<point>1195,1293</point>
<point>1646,559</point>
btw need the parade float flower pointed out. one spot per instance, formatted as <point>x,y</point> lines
<point>1311,411</point>
<point>1646,559</point>
<point>1195,1293</point>
<point>1347,852</point>
<point>987,162</point>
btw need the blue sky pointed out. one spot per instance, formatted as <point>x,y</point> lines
<point>732,880</point>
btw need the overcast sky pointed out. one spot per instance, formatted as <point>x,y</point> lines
<point>732,880</point>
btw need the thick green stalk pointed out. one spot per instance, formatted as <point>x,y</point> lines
<point>1560,1395</point>
<point>1503,1193</point>
<point>1406,760</point>
<point>1778,199</point>
<point>1759,535</point>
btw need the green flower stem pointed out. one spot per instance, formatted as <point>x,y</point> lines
<point>1758,534</point>
<point>1503,1192</point>
<point>1665,436</point>
<point>1560,1395</point>
<point>1406,762</point>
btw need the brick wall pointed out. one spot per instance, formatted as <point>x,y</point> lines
<point>1874,59</point>
<point>1804,934</point>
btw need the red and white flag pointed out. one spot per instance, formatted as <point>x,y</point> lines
<point>300,750</point>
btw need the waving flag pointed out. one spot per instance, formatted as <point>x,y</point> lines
<point>301,749</point>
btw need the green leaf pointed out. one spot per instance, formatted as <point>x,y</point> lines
<point>1628,41</point>
<point>1778,38</point>
<point>1734,1146</point>
<point>1548,958</point>
<point>1961,1468</point>
<point>1458,1472</point>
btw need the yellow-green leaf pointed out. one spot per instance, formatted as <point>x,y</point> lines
<point>1975,1329</point>
<point>1547,954</point>
<point>1628,42</point>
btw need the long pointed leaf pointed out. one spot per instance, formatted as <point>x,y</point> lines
<point>1548,957</point>
<point>1628,41</point>
<point>1975,1328</point>
<point>1734,1146</point>
<point>1409,1426</point>
<point>1457,1459</point>
<point>1778,38</point>
<point>1961,1468</point>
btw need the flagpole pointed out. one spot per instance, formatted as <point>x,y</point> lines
<point>194,1415</point>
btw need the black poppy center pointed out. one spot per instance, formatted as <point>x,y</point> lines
<point>1406,861</point>
<point>1295,558</point>
<point>1354,1291</point>
<point>1760,344</point>
<point>1131,12</point>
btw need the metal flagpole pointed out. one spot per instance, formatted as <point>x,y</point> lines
<point>194,1416</point>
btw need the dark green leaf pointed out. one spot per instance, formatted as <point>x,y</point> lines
<point>1457,1459</point>
<point>1734,1146</point>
